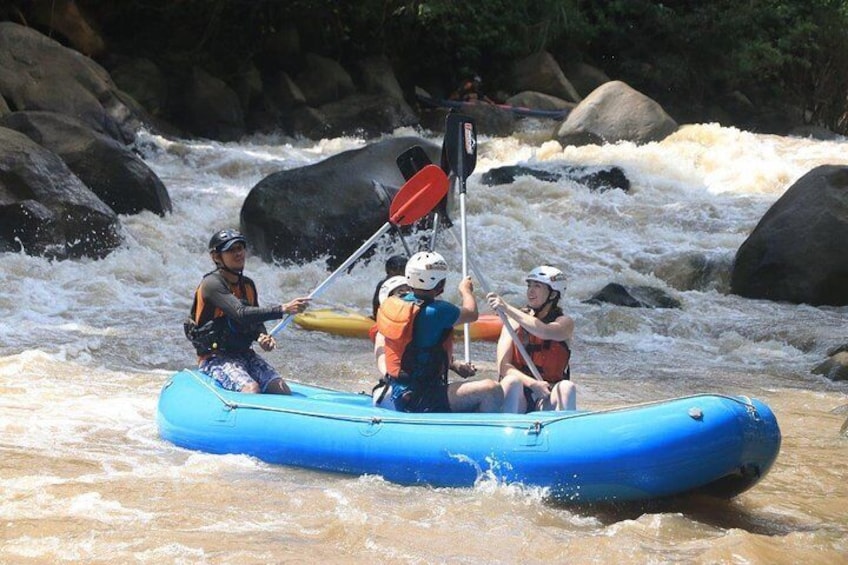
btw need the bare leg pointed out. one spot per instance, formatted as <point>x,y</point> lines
<point>484,395</point>
<point>514,400</point>
<point>564,396</point>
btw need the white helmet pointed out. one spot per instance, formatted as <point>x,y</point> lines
<point>548,275</point>
<point>391,284</point>
<point>425,270</point>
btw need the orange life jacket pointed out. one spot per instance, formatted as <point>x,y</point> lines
<point>550,357</point>
<point>404,361</point>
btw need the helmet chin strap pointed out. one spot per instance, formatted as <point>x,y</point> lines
<point>223,267</point>
<point>548,300</point>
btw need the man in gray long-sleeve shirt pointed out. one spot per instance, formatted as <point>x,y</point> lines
<point>226,319</point>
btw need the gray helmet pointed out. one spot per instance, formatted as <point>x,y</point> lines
<point>225,239</point>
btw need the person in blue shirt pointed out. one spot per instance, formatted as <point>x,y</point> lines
<point>414,346</point>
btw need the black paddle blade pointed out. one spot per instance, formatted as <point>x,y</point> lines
<point>461,144</point>
<point>443,162</point>
<point>412,160</point>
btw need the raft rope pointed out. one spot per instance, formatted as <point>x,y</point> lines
<point>533,424</point>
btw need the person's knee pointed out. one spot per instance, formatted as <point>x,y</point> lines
<point>494,388</point>
<point>250,388</point>
<point>277,386</point>
<point>510,382</point>
<point>494,392</point>
<point>565,396</point>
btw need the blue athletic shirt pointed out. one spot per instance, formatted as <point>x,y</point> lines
<point>432,321</point>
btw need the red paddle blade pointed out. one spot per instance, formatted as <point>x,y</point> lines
<point>418,196</point>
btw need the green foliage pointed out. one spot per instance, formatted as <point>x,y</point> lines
<point>773,51</point>
<point>680,52</point>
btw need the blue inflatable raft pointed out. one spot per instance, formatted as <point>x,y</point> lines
<point>712,444</point>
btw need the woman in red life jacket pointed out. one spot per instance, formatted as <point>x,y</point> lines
<point>414,346</point>
<point>546,333</point>
<point>226,319</point>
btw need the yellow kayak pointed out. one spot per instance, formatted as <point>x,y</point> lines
<point>352,324</point>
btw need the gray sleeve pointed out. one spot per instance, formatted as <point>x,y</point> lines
<point>215,292</point>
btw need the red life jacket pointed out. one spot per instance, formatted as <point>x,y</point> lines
<point>405,362</point>
<point>550,357</point>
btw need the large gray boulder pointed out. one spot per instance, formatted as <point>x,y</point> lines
<point>362,114</point>
<point>206,106</point>
<point>45,209</point>
<point>541,73</point>
<point>114,173</point>
<point>329,208</point>
<point>595,178</point>
<point>142,79</point>
<point>64,18</point>
<point>835,367</point>
<point>585,78</point>
<point>324,80</point>
<point>796,253</point>
<point>639,296</point>
<point>38,73</point>
<point>376,75</point>
<point>615,112</point>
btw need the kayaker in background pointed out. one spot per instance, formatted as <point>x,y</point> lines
<point>546,333</point>
<point>414,346</point>
<point>471,91</point>
<point>226,319</point>
<point>395,266</point>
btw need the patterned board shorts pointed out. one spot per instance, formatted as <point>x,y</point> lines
<point>235,370</point>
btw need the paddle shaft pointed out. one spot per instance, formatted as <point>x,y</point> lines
<point>464,232</point>
<point>432,245</point>
<point>398,231</point>
<point>341,268</point>
<point>456,156</point>
<point>515,339</point>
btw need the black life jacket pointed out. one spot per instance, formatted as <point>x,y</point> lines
<point>409,364</point>
<point>210,331</point>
